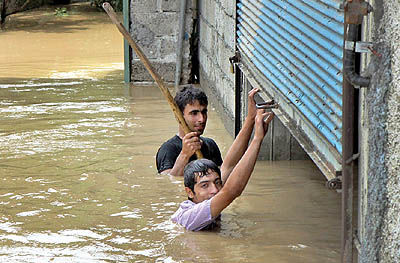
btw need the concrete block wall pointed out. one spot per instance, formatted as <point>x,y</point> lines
<point>155,28</point>
<point>379,223</point>
<point>216,45</point>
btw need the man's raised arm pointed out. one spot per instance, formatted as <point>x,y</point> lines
<point>241,141</point>
<point>240,175</point>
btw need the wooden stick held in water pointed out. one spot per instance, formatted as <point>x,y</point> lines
<point>177,112</point>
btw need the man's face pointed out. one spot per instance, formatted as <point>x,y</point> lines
<point>206,187</point>
<point>196,116</point>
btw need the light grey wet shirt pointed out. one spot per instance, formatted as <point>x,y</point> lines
<point>193,216</point>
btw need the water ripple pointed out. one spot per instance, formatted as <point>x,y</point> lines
<point>129,214</point>
<point>31,84</point>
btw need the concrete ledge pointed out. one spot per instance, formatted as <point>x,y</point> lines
<point>148,6</point>
<point>173,5</point>
<point>165,70</point>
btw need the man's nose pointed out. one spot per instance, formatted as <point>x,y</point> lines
<point>202,117</point>
<point>214,189</point>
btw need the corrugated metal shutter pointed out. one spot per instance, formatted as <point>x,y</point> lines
<point>296,47</point>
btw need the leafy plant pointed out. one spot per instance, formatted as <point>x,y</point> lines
<point>60,11</point>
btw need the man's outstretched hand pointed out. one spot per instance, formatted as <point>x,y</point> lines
<point>262,121</point>
<point>251,105</point>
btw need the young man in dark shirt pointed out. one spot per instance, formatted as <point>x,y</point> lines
<point>175,153</point>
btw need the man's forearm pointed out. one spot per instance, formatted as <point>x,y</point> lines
<point>238,179</point>
<point>179,165</point>
<point>237,149</point>
<point>241,173</point>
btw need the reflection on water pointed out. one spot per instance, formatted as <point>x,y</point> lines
<point>78,177</point>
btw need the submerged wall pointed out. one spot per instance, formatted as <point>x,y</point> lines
<point>380,139</point>
<point>155,27</point>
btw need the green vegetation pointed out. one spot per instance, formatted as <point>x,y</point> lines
<point>116,4</point>
<point>60,11</point>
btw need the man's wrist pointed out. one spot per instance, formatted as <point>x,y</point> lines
<point>248,125</point>
<point>258,139</point>
<point>183,157</point>
<point>249,120</point>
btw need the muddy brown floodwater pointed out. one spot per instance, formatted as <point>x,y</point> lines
<point>77,163</point>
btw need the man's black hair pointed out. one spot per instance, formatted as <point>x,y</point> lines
<point>188,95</point>
<point>196,168</point>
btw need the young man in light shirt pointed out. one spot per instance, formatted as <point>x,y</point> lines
<point>210,189</point>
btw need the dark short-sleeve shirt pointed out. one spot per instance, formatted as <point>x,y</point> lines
<point>169,151</point>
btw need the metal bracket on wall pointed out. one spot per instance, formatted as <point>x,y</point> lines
<point>352,47</point>
<point>353,158</point>
<point>363,47</point>
<point>354,12</point>
<point>366,47</point>
<point>234,60</point>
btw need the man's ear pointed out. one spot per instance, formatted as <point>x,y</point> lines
<point>189,192</point>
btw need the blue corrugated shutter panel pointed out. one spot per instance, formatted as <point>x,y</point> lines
<point>297,46</point>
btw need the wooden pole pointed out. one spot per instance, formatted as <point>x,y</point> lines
<point>177,112</point>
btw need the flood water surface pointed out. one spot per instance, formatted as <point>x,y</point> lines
<point>78,181</point>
